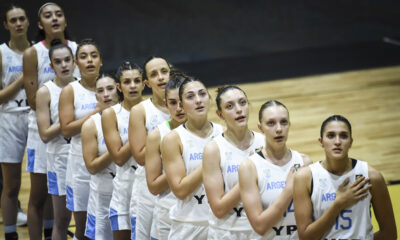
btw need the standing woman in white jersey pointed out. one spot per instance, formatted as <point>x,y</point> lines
<point>99,163</point>
<point>115,123</point>
<point>13,115</point>
<point>221,159</point>
<point>142,120</point>
<point>155,174</point>
<point>77,103</point>
<point>332,197</point>
<point>62,62</point>
<point>182,152</point>
<point>36,69</point>
<point>266,177</point>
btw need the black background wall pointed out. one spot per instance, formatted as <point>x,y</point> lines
<point>189,32</point>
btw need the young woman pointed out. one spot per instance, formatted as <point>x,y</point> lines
<point>99,163</point>
<point>77,103</point>
<point>62,62</point>
<point>332,197</point>
<point>36,69</point>
<point>155,175</point>
<point>142,120</point>
<point>13,114</point>
<point>266,177</point>
<point>182,152</point>
<point>221,159</point>
<point>115,122</point>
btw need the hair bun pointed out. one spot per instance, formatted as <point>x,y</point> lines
<point>55,42</point>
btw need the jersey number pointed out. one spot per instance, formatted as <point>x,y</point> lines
<point>343,221</point>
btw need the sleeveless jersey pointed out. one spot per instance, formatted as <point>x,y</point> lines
<point>153,117</point>
<point>46,73</point>
<point>84,103</point>
<point>59,142</point>
<point>167,198</point>
<point>102,181</point>
<point>125,172</point>
<point>11,69</point>
<point>195,207</point>
<point>271,181</point>
<point>231,157</point>
<point>353,222</point>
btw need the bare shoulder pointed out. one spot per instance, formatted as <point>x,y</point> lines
<point>172,137</point>
<point>88,125</point>
<point>375,176</point>
<point>154,135</point>
<point>247,165</point>
<point>306,159</point>
<point>138,109</point>
<point>304,173</point>
<point>30,53</point>
<point>43,92</point>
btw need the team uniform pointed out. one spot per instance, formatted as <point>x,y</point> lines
<point>14,113</point>
<point>271,181</point>
<point>142,201</point>
<point>77,175</point>
<point>235,224</point>
<point>164,202</point>
<point>353,222</point>
<point>57,148</point>
<point>36,149</point>
<point>125,177</point>
<point>101,187</point>
<point>190,216</point>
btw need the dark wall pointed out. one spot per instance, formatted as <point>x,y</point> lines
<point>185,31</point>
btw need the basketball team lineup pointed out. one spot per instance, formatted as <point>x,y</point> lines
<point>126,166</point>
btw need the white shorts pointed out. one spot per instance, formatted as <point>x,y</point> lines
<point>36,153</point>
<point>119,205</point>
<point>220,234</point>
<point>14,133</point>
<point>161,225</point>
<point>98,224</point>
<point>77,182</point>
<point>187,231</point>
<point>144,210</point>
<point>56,173</point>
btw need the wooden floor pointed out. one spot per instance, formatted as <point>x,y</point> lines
<point>370,99</point>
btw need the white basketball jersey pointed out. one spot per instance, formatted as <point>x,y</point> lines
<point>46,73</point>
<point>165,199</point>
<point>271,182</point>
<point>231,157</point>
<point>102,181</point>
<point>353,222</point>
<point>59,142</point>
<point>195,207</point>
<point>84,103</point>
<point>125,172</point>
<point>11,69</point>
<point>154,116</point>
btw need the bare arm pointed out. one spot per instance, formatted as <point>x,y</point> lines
<point>46,131</point>
<point>220,202</point>
<point>181,184</point>
<point>137,133</point>
<point>382,206</point>
<point>345,197</point>
<point>30,78</point>
<point>119,153</point>
<point>156,179</point>
<point>306,159</point>
<point>94,163</point>
<point>261,220</point>
<point>69,126</point>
